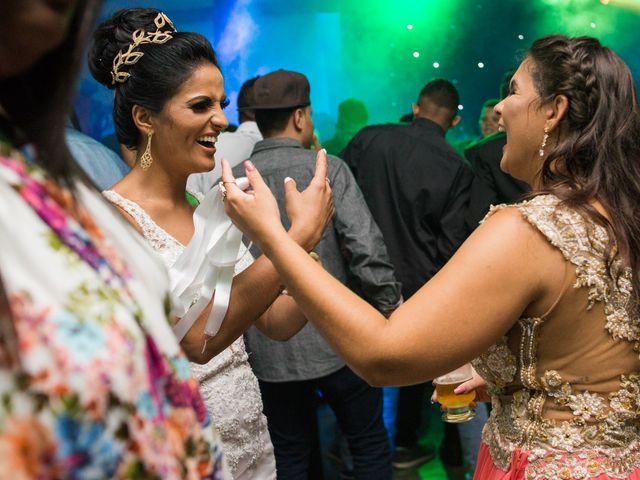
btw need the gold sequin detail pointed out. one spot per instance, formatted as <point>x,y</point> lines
<point>601,434</point>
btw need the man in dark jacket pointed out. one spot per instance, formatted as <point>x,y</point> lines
<point>417,188</point>
<point>415,184</point>
<point>491,186</point>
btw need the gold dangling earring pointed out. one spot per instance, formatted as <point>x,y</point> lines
<point>146,159</point>
<point>544,141</point>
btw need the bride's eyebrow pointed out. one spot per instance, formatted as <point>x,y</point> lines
<point>200,98</point>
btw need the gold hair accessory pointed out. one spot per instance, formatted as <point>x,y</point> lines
<point>140,37</point>
<point>146,159</point>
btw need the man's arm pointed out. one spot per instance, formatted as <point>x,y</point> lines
<point>352,153</point>
<point>453,227</point>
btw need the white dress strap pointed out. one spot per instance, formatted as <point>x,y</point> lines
<point>161,241</point>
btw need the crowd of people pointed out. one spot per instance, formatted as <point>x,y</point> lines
<point>383,263</point>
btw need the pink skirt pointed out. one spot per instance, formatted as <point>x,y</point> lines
<point>486,470</point>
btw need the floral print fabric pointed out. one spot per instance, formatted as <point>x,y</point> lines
<point>103,390</point>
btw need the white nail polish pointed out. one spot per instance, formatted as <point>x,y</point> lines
<point>288,179</point>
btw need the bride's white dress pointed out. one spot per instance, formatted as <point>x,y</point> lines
<point>228,385</point>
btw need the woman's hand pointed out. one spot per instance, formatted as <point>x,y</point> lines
<point>311,210</point>
<point>476,383</point>
<point>256,213</point>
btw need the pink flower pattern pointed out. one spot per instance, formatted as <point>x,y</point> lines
<point>86,381</point>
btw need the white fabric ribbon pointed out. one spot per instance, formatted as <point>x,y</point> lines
<point>206,266</point>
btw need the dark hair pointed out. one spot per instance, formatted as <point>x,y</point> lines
<point>599,157</point>
<point>245,95</point>
<point>492,102</point>
<point>406,118</point>
<point>39,100</point>
<point>443,93</point>
<point>505,84</point>
<point>157,75</point>
<point>273,121</point>
<point>9,344</point>
<point>245,100</point>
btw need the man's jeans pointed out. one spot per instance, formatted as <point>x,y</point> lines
<point>290,408</point>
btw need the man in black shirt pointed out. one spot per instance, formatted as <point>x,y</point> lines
<point>491,186</point>
<point>417,188</point>
<point>415,185</point>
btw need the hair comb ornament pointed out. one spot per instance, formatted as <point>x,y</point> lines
<point>164,29</point>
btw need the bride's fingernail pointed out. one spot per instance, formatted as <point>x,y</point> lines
<point>324,150</point>
<point>249,166</point>
<point>459,390</point>
<point>288,179</point>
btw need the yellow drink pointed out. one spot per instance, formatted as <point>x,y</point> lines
<point>449,399</point>
<point>458,409</point>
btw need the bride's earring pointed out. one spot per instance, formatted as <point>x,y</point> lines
<point>146,159</point>
<point>544,141</point>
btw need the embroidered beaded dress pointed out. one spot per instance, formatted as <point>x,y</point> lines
<point>565,387</point>
<point>228,385</point>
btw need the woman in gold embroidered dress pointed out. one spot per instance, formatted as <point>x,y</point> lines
<point>543,295</point>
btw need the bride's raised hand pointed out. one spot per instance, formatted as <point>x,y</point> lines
<point>255,212</point>
<point>312,209</point>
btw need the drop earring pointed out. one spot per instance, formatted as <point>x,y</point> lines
<point>146,159</point>
<point>544,141</point>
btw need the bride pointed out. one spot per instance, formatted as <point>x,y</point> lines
<point>168,105</point>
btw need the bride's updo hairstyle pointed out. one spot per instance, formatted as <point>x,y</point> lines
<point>598,154</point>
<point>167,61</point>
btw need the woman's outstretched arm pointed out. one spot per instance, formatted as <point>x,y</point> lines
<point>495,277</point>
<point>258,286</point>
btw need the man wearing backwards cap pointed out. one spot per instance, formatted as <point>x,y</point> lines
<point>352,247</point>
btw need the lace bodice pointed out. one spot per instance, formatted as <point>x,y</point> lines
<point>228,385</point>
<point>566,387</point>
<point>162,243</point>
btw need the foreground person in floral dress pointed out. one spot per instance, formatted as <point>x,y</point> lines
<point>544,294</point>
<point>92,380</point>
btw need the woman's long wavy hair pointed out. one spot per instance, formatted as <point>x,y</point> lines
<point>9,350</point>
<point>39,101</point>
<point>598,157</point>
